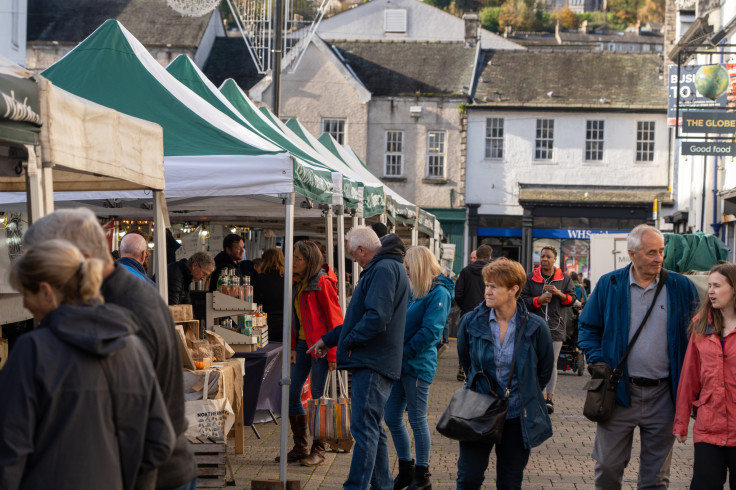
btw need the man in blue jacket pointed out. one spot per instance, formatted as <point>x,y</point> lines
<point>134,256</point>
<point>370,344</point>
<point>645,396</point>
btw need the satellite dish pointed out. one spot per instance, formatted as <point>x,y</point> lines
<point>193,8</point>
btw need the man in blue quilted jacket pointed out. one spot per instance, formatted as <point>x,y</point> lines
<point>370,344</point>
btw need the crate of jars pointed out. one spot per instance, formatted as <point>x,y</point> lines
<point>233,285</point>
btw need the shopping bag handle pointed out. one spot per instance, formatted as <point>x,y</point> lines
<point>343,389</point>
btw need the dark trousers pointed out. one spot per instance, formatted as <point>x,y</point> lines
<point>711,463</point>
<point>511,459</point>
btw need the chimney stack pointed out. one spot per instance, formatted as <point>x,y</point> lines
<point>472,29</point>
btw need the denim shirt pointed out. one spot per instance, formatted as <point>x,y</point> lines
<point>503,354</point>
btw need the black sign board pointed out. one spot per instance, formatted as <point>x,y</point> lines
<point>709,148</point>
<point>708,122</point>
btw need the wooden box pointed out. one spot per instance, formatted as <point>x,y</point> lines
<point>211,456</point>
<point>181,313</point>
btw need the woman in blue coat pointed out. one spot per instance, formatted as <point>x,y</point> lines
<point>486,340</point>
<point>429,305</point>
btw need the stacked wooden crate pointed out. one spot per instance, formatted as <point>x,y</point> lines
<point>211,456</point>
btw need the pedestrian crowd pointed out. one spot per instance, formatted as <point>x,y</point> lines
<point>100,378</point>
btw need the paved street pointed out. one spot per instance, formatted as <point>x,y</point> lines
<point>563,462</point>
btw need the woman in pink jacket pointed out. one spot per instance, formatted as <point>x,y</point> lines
<point>708,383</point>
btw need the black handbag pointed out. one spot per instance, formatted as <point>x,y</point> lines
<point>475,417</point>
<point>600,399</point>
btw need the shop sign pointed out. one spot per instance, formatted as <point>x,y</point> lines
<point>708,122</point>
<point>684,94</point>
<point>570,233</point>
<point>709,148</point>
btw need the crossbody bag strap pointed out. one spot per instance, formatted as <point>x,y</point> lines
<point>618,372</point>
<point>513,359</point>
<point>113,397</point>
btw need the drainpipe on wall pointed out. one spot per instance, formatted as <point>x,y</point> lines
<point>716,223</point>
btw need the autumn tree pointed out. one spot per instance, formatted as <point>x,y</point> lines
<point>518,14</point>
<point>568,20</point>
<point>651,11</point>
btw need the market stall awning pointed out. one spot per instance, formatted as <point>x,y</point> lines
<point>206,152</point>
<point>20,121</point>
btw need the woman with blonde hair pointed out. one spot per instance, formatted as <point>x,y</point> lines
<point>80,387</point>
<point>429,305</point>
<point>268,290</point>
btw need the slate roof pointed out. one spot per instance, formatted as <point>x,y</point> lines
<point>229,58</point>
<point>622,37</point>
<point>152,22</point>
<point>585,80</point>
<point>394,68</point>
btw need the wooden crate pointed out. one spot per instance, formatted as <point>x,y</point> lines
<point>211,456</point>
<point>182,313</point>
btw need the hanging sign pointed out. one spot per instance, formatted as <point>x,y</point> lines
<point>708,122</point>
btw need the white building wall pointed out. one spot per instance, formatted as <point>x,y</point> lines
<point>13,15</point>
<point>494,183</point>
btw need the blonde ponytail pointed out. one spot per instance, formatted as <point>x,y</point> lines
<point>63,267</point>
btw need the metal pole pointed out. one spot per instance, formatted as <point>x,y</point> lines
<point>278,47</point>
<point>159,241</point>
<point>341,255</point>
<point>329,238</point>
<point>356,270</point>
<point>285,357</point>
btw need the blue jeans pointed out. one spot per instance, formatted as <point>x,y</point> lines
<point>511,459</point>
<point>413,393</point>
<point>299,372</point>
<point>369,466</point>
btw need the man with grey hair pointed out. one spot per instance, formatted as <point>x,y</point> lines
<point>134,254</point>
<point>156,329</point>
<point>370,343</point>
<point>645,396</point>
<point>186,271</point>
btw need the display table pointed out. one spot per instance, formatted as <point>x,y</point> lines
<point>261,382</point>
<point>232,371</point>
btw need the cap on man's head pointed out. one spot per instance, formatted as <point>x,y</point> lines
<point>380,229</point>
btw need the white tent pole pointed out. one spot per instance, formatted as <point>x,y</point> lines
<point>285,357</point>
<point>329,238</point>
<point>341,255</point>
<point>356,271</point>
<point>415,231</point>
<point>47,181</point>
<point>159,242</point>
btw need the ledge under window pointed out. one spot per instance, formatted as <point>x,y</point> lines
<point>393,179</point>
<point>436,181</point>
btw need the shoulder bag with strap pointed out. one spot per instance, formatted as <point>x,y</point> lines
<point>601,397</point>
<point>474,417</point>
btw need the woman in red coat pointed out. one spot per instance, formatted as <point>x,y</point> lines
<point>316,310</point>
<point>708,383</point>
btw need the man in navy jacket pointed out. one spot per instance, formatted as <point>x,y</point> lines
<point>645,396</point>
<point>370,344</point>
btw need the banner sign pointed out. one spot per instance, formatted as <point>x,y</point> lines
<point>685,95</point>
<point>708,122</point>
<point>709,148</point>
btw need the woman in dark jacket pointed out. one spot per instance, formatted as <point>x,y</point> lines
<point>81,406</point>
<point>549,293</point>
<point>316,311</point>
<point>486,340</point>
<point>268,290</point>
<point>429,304</point>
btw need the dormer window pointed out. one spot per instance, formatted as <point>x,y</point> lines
<point>394,21</point>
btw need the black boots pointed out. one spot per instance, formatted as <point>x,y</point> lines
<point>405,476</point>
<point>421,479</point>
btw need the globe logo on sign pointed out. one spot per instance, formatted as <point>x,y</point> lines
<point>711,81</point>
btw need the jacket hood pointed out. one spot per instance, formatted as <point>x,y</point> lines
<point>99,330</point>
<point>325,272</point>
<point>442,281</point>
<point>476,268</point>
<point>392,247</point>
<point>537,276</point>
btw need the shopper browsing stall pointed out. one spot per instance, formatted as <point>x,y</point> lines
<point>186,271</point>
<point>316,311</point>
<point>268,290</point>
<point>80,388</point>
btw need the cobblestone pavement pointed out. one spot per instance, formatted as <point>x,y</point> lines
<point>562,462</point>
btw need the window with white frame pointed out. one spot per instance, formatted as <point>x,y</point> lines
<point>436,154</point>
<point>645,141</point>
<point>494,138</point>
<point>394,154</point>
<point>336,127</point>
<point>544,139</point>
<point>593,141</point>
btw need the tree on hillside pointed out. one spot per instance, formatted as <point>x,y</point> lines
<point>518,14</point>
<point>652,11</point>
<point>568,20</point>
<point>488,17</point>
